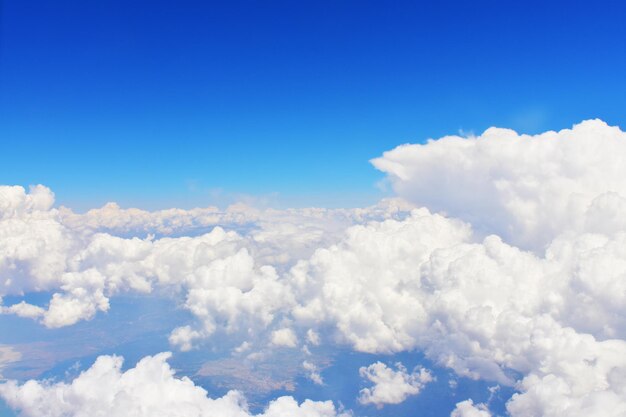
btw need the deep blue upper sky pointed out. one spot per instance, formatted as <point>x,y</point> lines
<point>162,103</point>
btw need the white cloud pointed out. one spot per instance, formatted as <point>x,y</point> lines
<point>149,389</point>
<point>284,337</point>
<point>23,309</point>
<point>33,244</point>
<point>215,271</point>
<point>482,306</point>
<point>527,189</point>
<point>220,273</point>
<point>391,386</point>
<point>468,409</point>
<point>14,201</point>
<point>313,373</point>
<point>274,236</point>
<point>485,309</point>
<point>184,337</point>
<point>368,285</point>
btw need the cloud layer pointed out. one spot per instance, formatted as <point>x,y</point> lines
<point>84,259</point>
<point>514,271</point>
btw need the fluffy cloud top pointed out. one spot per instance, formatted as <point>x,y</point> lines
<point>33,244</point>
<point>391,386</point>
<point>527,189</point>
<point>469,409</point>
<point>150,389</point>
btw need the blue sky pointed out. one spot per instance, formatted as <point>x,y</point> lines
<point>159,104</point>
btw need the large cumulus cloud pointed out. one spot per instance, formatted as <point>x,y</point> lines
<point>527,189</point>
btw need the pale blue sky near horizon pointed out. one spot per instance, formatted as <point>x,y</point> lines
<point>156,104</point>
